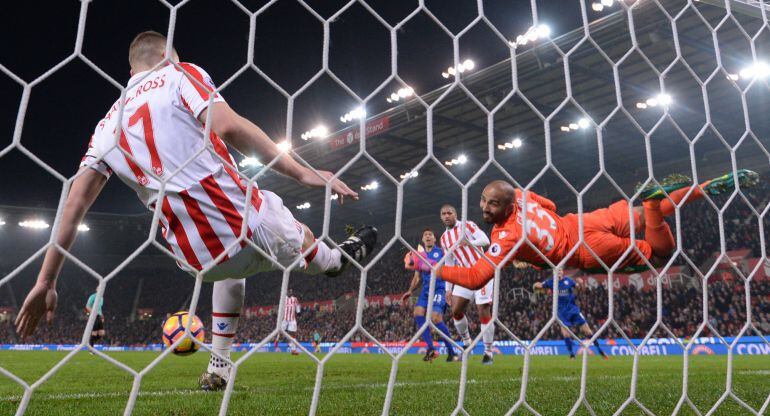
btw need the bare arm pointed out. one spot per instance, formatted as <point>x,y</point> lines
<point>42,297</point>
<point>412,286</point>
<point>248,139</point>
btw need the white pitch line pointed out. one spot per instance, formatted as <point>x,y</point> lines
<point>246,389</point>
<point>182,392</point>
<point>754,372</point>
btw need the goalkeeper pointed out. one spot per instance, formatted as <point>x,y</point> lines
<point>606,231</point>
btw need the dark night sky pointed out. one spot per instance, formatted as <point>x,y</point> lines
<point>64,109</point>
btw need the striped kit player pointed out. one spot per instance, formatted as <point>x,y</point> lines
<point>289,324</point>
<point>466,254</point>
<point>158,146</point>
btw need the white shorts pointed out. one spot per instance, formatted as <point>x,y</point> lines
<point>278,234</point>
<point>289,326</point>
<point>481,296</point>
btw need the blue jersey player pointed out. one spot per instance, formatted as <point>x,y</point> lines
<point>568,310</point>
<point>433,254</point>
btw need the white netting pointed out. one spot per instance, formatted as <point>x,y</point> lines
<point>625,91</point>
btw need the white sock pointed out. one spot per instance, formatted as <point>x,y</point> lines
<point>322,259</point>
<point>462,328</point>
<point>488,336</point>
<point>227,302</point>
<point>292,346</point>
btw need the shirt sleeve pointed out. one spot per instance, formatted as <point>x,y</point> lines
<point>548,283</point>
<point>90,160</point>
<point>196,88</point>
<point>543,201</point>
<point>476,277</point>
<point>478,237</point>
<point>90,302</point>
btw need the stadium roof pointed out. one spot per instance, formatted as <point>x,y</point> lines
<point>459,126</point>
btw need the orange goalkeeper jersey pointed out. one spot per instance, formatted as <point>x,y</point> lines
<point>546,231</point>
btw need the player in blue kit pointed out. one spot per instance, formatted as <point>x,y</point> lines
<point>568,311</point>
<point>433,254</point>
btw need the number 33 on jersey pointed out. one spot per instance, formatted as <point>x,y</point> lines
<point>544,229</point>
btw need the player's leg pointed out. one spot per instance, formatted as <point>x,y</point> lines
<point>97,332</point>
<point>607,232</point>
<point>226,304</point>
<point>487,331</point>
<point>460,300</point>
<point>484,298</point>
<point>585,329</point>
<point>281,235</point>
<point>678,186</point>
<point>439,305</point>
<point>292,330</point>
<point>324,259</point>
<point>568,342</point>
<point>419,321</point>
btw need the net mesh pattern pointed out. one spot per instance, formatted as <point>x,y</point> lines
<point>672,14</point>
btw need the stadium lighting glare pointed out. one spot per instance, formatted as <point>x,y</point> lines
<point>582,123</point>
<point>355,114</point>
<point>513,144</point>
<point>598,6</point>
<point>284,146</point>
<point>664,100</point>
<point>461,160</point>
<point>402,93</point>
<point>250,162</point>
<point>34,224</point>
<point>412,174</point>
<point>319,131</point>
<point>543,31</point>
<point>83,228</point>
<point>733,77</point>
<point>466,65</point>
<point>532,34</point>
<point>758,70</point>
<point>370,186</point>
<point>2,222</point>
<point>306,205</point>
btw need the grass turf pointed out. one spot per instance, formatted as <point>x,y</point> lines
<point>281,384</point>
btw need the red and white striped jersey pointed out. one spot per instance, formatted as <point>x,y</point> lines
<point>464,256</point>
<point>204,203</point>
<point>290,309</point>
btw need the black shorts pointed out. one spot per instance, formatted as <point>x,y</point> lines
<point>99,323</point>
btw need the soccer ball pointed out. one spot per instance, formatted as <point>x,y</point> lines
<point>173,330</point>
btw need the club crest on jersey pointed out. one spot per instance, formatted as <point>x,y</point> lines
<point>503,234</point>
<point>435,255</point>
<point>495,249</point>
<point>221,326</point>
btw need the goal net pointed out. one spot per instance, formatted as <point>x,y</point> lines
<point>631,92</point>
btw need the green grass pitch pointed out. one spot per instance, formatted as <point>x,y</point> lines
<point>280,384</point>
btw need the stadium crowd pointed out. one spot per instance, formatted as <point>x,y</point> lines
<point>164,289</point>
